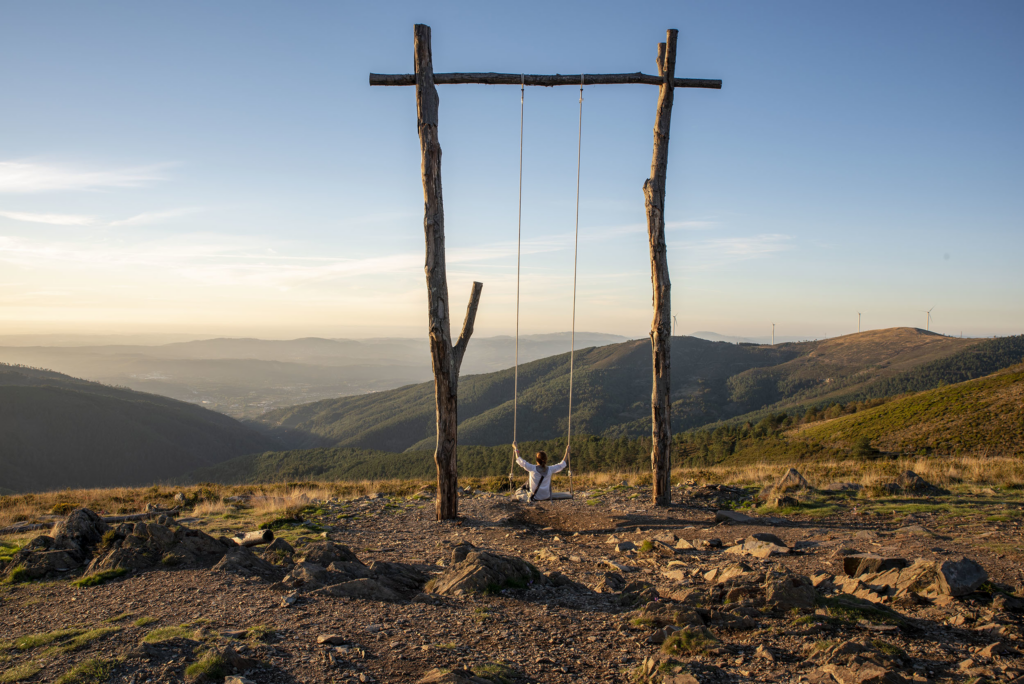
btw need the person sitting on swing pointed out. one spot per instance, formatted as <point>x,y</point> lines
<point>539,488</point>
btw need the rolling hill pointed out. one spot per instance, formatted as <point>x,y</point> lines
<point>57,431</point>
<point>982,417</point>
<point>711,381</point>
<point>977,417</point>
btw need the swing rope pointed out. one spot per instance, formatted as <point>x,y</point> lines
<point>575,256</point>
<point>575,261</point>
<point>519,247</point>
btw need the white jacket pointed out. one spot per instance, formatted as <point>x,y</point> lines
<point>544,491</point>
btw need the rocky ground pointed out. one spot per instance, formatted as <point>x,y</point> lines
<point>602,588</point>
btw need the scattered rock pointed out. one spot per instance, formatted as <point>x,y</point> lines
<point>81,527</point>
<point>960,577</point>
<point>242,561</point>
<point>792,480</point>
<point>611,583</point>
<point>998,648</point>
<point>733,517</point>
<point>857,564</point>
<point>323,553</point>
<point>364,588</point>
<point>758,548</point>
<point>910,481</point>
<point>480,571</point>
<point>786,591</point>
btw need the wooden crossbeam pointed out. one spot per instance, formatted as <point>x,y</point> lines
<point>544,80</point>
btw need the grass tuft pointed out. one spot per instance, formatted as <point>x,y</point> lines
<point>498,673</point>
<point>17,576</point>
<point>260,634</point>
<point>118,618</point>
<point>7,551</point>
<point>92,671</point>
<point>159,634</point>
<point>211,666</point>
<point>85,638</point>
<point>688,642</point>
<point>98,578</point>
<point>30,641</point>
<point>19,673</point>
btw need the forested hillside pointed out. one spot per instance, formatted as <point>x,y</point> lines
<point>976,360</point>
<point>57,431</point>
<point>711,382</point>
<point>980,417</point>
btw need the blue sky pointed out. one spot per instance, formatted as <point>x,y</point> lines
<point>225,168</point>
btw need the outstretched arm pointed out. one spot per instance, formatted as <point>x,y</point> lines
<point>564,464</point>
<point>519,459</point>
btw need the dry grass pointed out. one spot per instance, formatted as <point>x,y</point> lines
<point>274,502</point>
<point>205,508</point>
<point>949,472</point>
<point>957,473</point>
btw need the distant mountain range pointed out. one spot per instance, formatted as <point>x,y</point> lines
<point>711,382</point>
<point>246,377</point>
<point>57,431</point>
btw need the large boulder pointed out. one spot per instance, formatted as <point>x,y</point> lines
<point>911,482</point>
<point>44,563</point>
<point>791,481</point>
<point>366,588</point>
<point>326,552</point>
<point>734,517</point>
<point>475,571</point>
<point>925,577</point>
<point>141,545</point>
<point>242,561</point>
<point>857,564</point>
<point>957,578</point>
<point>785,591</point>
<point>759,548</point>
<point>81,526</point>
<point>67,547</point>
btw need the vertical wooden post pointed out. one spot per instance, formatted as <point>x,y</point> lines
<point>661,326</point>
<point>446,359</point>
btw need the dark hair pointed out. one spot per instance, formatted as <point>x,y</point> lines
<point>542,458</point>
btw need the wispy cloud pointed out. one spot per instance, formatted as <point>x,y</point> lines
<point>720,251</point>
<point>30,177</point>
<point>222,261</point>
<point>52,219</point>
<point>154,217</point>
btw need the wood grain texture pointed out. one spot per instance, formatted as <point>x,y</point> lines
<point>445,358</point>
<point>490,78</point>
<point>661,326</point>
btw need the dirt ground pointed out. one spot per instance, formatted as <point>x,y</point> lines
<point>150,625</point>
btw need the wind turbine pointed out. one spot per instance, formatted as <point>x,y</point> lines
<point>773,334</point>
<point>674,332</point>
<point>928,320</point>
<point>858,321</point>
